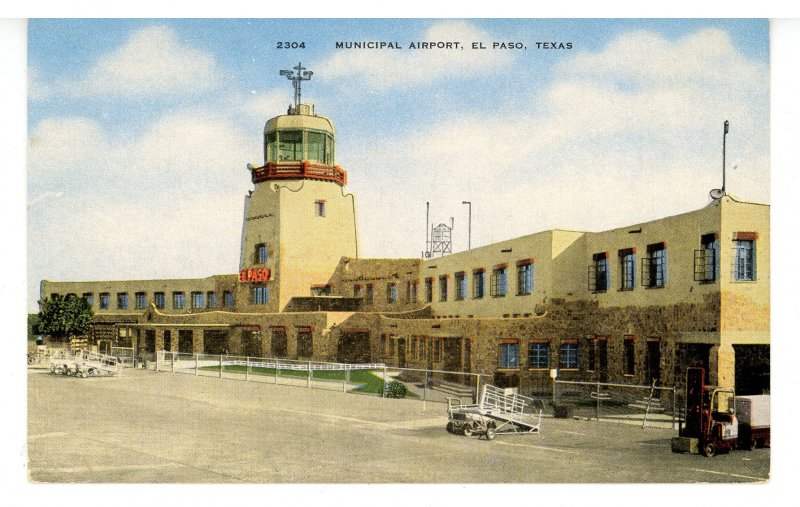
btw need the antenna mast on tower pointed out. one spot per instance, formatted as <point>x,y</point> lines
<point>297,79</point>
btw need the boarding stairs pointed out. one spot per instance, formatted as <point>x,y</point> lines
<point>499,411</point>
<point>85,364</point>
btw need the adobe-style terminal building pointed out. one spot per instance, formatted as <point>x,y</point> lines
<point>631,305</point>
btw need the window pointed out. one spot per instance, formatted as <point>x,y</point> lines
<point>569,355</point>
<point>358,291</point>
<point>89,298</point>
<point>627,268</point>
<point>509,355</point>
<point>261,254</point>
<point>411,291</point>
<point>478,283</point>
<point>227,297</point>
<point>744,259</point>
<point>591,360</point>
<point>290,145</point>
<point>499,281</point>
<point>391,293</point>
<point>198,300</point>
<point>160,300</point>
<point>305,343</point>
<point>429,290</point>
<point>438,345</point>
<point>178,300</point>
<point>654,266</point>
<point>260,294</point>
<point>443,288</point>
<point>370,294</point>
<point>280,345</point>
<point>122,300</point>
<point>141,300</point>
<point>105,300</point>
<point>628,355</point>
<point>539,355</point>
<point>319,208</point>
<point>315,147</point>
<point>524,277</point>
<point>706,259</point>
<point>461,286</point>
<point>598,273</point>
<point>211,299</point>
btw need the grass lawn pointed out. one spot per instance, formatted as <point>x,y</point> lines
<point>370,382</point>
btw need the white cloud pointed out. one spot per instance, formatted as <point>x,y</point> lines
<point>380,69</point>
<point>36,89</point>
<point>152,62</point>
<point>627,134</point>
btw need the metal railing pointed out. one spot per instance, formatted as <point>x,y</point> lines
<point>375,379</point>
<point>652,405</point>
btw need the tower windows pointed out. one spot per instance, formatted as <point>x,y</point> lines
<point>290,145</point>
<point>260,294</point>
<point>299,145</point>
<point>261,254</point>
<point>319,208</point>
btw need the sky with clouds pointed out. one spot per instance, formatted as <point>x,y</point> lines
<point>139,131</point>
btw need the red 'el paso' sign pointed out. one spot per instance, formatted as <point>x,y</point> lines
<point>254,275</point>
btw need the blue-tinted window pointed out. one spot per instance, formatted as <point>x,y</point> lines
<point>525,279</point>
<point>744,268</point>
<point>539,355</point>
<point>569,355</point>
<point>509,355</point>
<point>260,294</point>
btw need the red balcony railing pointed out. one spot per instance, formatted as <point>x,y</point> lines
<point>296,170</point>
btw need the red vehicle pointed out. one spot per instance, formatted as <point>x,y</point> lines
<point>713,422</point>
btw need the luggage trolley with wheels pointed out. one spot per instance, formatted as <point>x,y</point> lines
<point>86,364</point>
<point>499,412</point>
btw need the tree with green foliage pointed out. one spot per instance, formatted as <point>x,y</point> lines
<point>63,317</point>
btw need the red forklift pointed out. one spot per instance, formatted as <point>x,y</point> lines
<point>711,425</point>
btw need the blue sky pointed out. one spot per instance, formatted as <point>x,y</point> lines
<point>140,130</point>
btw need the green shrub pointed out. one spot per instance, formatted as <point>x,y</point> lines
<point>395,389</point>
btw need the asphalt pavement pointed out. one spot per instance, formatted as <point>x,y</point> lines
<point>148,427</point>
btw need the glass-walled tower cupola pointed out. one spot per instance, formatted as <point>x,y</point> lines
<point>299,136</point>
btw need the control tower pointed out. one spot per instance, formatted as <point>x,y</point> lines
<point>299,221</point>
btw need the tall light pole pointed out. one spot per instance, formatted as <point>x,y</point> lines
<point>724,134</point>
<point>469,225</point>
<point>719,193</point>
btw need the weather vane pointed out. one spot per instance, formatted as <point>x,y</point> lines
<point>296,79</point>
